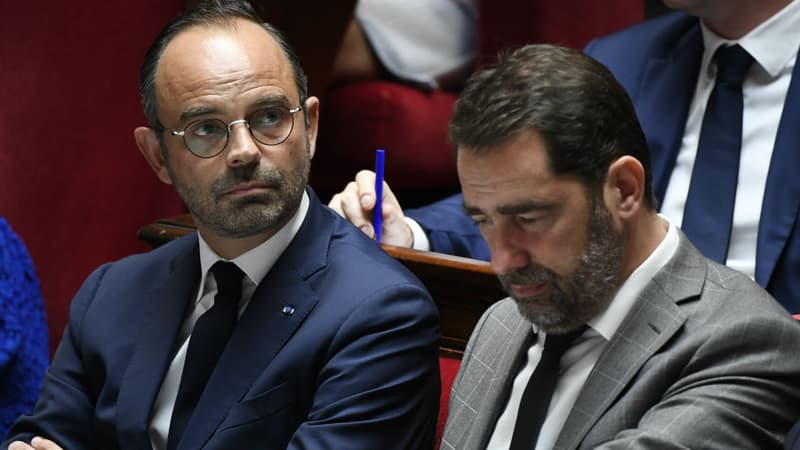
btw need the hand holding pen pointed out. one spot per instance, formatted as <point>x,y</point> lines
<point>357,203</point>
<point>377,212</point>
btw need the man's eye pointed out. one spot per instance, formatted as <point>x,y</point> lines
<point>527,219</point>
<point>267,118</point>
<point>206,129</point>
<point>480,220</point>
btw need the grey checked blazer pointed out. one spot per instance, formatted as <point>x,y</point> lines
<point>705,359</point>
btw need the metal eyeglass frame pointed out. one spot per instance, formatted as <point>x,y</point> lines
<point>182,133</point>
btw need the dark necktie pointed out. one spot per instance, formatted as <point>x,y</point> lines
<point>539,391</point>
<point>207,341</point>
<point>708,216</point>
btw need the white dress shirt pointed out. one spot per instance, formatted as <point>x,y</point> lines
<point>773,45</point>
<point>255,264</point>
<point>422,41</point>
<point>580,358</point>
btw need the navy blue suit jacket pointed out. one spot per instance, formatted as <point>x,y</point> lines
<point>355,366</point>
<point>793,438</point>
<point>658,62</point>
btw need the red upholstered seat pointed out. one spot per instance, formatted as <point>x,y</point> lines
<point>448,368</point>
<point>74,185</point>
<point>410,124</point>
<point>573,23</point>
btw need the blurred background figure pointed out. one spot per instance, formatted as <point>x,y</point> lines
<point>399,67</point>
<point>427,43</point>
<point>23,331</point>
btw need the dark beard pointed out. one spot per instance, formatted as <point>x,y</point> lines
<point>570,301</point>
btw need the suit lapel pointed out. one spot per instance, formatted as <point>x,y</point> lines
<point>260,334</point>
<point>264,327</point>
<point>662,103</point>
<point>510,343</point>
<point>166,305</point>
<point>653,320</point>
<point>782,194</point>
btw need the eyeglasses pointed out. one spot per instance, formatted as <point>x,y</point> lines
<point>207,138</point>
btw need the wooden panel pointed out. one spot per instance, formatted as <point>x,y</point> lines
<point>461,287</point>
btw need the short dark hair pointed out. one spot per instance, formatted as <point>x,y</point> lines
<point>213,12</point>
<point>583,114</point>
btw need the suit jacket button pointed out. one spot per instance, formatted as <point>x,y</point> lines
<point>288,310</point>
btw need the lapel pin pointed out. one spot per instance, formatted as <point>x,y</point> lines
<point>288,310</point>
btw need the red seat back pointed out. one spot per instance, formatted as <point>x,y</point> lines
<point>448,368</point>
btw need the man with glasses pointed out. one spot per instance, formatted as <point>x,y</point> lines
<point>277,325</point>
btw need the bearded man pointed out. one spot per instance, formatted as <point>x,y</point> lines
<point>278,325</point>
<point>618,333</point>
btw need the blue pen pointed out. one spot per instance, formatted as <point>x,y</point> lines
<point>377,213</point>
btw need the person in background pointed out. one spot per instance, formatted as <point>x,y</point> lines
<point>668,66</point>
<point>277,325</point>
<point>618,332</point>
<point>425,43</point>
<point>23,330</point>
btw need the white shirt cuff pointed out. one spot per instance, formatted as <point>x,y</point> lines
<point>420,238</point>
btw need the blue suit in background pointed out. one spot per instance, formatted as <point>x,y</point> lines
<point>658,63</point>
<point>338,348</point>
<point>793,438</point>
<point>24,351</point>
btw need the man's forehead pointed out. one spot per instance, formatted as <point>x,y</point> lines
<point>512,180</point>
<point>242,32</point>
<point>223,45</point>
<point>225,59</point>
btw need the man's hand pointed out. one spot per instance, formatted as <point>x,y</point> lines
<point>37,443</point>
<point>356,202</point>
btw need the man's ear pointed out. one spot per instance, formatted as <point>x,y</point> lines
<point>625,182</point>
<point>148,144</point>
<point>312,110</point>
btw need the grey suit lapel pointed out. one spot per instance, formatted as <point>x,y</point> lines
<point>653,320</point>
<point>486,376</point>
<point>513,340</point>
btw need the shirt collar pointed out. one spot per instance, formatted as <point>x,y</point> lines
<point>773,44</point>
<point>607,323</point>
<point>258,261</point>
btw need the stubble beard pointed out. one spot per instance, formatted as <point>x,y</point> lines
<point>263,213</point>
<point>570,301</point>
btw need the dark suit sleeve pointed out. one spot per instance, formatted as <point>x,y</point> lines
<point>379,387</point>
<point>793,439</point>
<point>739,389</point>
<point>449,230</point>
<point>65,409</point>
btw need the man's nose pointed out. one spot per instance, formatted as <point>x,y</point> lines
<point>243,147</point>
<point>508,253</point>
